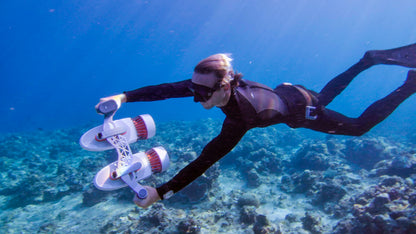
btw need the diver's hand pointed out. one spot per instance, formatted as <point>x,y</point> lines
<point>152,197</point>
<point>119,99</point>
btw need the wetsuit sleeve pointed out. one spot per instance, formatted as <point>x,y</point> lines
<point>160,92</point>
<point>231,133</point>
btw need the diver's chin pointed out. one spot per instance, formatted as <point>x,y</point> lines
<point>206,105</point>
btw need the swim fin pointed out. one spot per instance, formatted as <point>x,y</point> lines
<point>403,56</point>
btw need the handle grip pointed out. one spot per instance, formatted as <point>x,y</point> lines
<point>107,108</point>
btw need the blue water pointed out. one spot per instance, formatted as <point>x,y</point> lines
<point>59,57</point>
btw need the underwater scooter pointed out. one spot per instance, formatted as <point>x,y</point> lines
<point>130,168</point>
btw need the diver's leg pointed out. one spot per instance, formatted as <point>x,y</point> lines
<point>332,122</point>
<point>334,87</point>
<point>335,123</point>
<point>403,56</point>
<point>382,108</point>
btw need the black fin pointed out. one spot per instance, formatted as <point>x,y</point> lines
<point>403,56</point>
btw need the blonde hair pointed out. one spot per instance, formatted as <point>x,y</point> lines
<point>220,65</point>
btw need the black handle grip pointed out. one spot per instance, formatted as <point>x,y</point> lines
<point>107,107</point>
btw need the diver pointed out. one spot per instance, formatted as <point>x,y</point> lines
<point>248,104</point>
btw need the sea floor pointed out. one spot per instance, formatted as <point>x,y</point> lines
<point>277,180</point>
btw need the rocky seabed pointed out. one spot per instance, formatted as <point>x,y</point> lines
<point>276,180</point>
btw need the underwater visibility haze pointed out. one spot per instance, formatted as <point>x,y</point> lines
<point>58,58</point>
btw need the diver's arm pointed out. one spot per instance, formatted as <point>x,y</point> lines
<point>160,92</point>
<point>231,133</point>
<point>152,93</point>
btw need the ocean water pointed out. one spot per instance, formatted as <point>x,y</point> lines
<point>59,57</point>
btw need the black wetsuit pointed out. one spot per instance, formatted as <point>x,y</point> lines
<point>255,105</point>
<point>241,116</point>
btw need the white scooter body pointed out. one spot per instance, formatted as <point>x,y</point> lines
<point>91,142</point>
<point>130,168</point>
<point>105,182</point>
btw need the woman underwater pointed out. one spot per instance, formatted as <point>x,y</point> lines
<point>248,104</point>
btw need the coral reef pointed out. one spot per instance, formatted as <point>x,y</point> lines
<point>277,180</point>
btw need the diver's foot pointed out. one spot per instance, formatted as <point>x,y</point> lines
<point>411,78</point>
<point>403,56</point>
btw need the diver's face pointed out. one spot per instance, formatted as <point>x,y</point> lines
<point>219,98</point>
<point>208,91</point>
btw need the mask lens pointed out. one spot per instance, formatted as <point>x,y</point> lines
<point>201,93</point>
<point>199,98</point>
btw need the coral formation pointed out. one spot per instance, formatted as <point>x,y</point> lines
<point>277,180</point>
